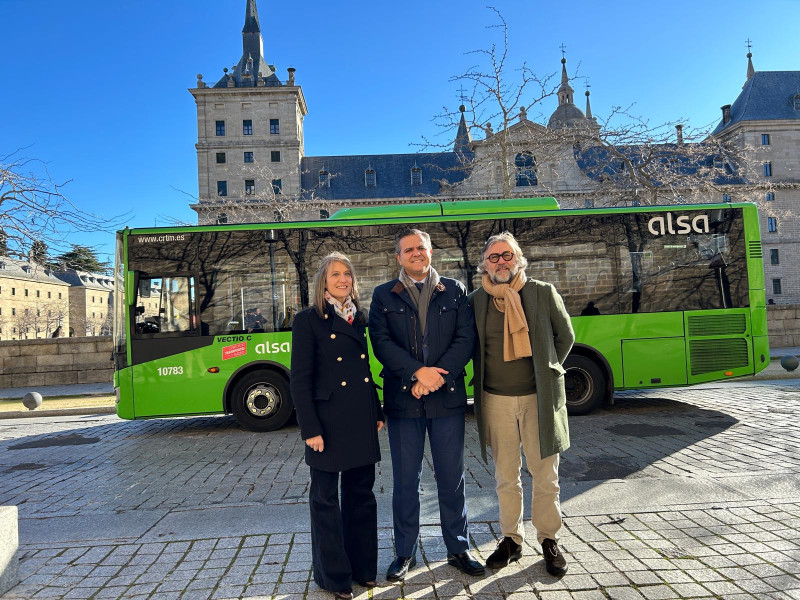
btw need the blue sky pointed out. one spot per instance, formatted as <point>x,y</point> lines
<point>98,89</point>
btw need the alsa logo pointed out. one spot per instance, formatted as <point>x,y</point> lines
<point>273,348</point>
<point>661,225</point>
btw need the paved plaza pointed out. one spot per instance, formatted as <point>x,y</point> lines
<point>689,493</point>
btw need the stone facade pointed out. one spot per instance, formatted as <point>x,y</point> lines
<point>91,302</point>
<point>62,361</point>
<point>783,322</point>
<point>34,302</point>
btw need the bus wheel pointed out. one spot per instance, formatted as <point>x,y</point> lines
<point>585,384</point>
<point>261,401</point>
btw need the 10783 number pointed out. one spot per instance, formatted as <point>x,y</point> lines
<point>170,371</point>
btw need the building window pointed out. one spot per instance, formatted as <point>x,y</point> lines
<point>13,291</point>
<point>13,311</point>
<point>726,197</point>
<point>220,158</point>
<point>526,169</point>
<point>370,178</point>
<point>222,188</point>
<point>275,156</point>
<point>274,127</point>
<point>220,127</point>
<point>772,224</point>
<point>324,213</point>
<point>48,294</point>
<point>774,258</point>
<point>589,203</point>
<point>277,216</point>
<point>248,157</point>
<point>770,196</point>
<point>37,293</point>
<point>416,176</point>
<point>249,186</point>
<point>247,127</point>
<point>222,219</point>
<point>26,292</point>
<point>797,102</point>
<point>59,295</point>
<point>324,178</point>
<point>767,169</point>
<point>776,286</point>
<point>277,186</point>
<point>765,139</point>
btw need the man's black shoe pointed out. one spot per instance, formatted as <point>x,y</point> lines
<point>399,568</point>
<point>465,563</point>
<point>554,561</point>
<point>507,552</point>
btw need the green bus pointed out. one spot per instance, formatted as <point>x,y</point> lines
<point>659,296</point>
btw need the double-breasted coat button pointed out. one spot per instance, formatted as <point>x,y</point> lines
<point>366,378</point>
<point>365,335</point>
<point>326,316</point>
<point>452,389</point>
<point>333,336</point>
<point>344,383</point>
<point>339,358</point>
<point>363,356</point>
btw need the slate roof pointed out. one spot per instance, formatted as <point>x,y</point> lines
<point>392,174</point>
<point>22,269</point>
<point>94,281</point>
<point>600,164</point>
<point>767,96</point>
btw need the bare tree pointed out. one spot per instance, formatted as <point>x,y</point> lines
<point>619,159</point>
<point>33,207</point>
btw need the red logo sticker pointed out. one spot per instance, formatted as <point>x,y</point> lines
<point>239,349</point>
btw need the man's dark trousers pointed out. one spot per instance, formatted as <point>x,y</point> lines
<point>407,445</point>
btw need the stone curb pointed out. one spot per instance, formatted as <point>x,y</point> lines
<point>59,412</point>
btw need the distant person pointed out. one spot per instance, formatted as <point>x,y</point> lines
<point>770,301</point>
<point>422,332</point>
<point>524,336</point>
<point>250,319</point>
<point>339,416</point>
<point>589,310</point>
<point>58,332</point>
<point>259,320</point>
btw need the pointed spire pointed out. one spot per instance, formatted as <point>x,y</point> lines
<point>463,136</point>
<point>750,70</point>
<point>588,107</point>
<point>565,92</point>
<point>251,24</point>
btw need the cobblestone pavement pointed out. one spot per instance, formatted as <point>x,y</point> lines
<point>735,534</point>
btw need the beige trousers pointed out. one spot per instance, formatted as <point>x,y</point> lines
<point>511,422</point>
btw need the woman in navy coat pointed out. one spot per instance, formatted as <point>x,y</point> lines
<point>340,416</point>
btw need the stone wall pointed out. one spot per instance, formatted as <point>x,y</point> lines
<point>59,361</point>
<point>783,323</point>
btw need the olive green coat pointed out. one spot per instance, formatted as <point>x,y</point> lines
<point>551,340</point>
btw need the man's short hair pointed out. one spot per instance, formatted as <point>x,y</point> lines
<point>405,232</point>
<point>519,258</point>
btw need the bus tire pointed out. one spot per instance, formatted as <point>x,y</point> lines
<point>585,384</point>
<point>261,401</point>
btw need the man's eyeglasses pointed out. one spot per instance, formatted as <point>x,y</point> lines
<point>507,256</point>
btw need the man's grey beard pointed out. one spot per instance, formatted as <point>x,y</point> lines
<point>495,279</point>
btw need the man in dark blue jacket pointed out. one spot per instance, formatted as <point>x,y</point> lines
<point>422,331</point>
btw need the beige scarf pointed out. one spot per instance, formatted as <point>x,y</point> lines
<point>516,340</point>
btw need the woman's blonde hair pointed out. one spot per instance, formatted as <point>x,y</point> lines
<point>320,304</point>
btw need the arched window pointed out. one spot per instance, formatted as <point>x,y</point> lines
<point>370,178</point>
<point>416,176</point>
<point>526,169</point>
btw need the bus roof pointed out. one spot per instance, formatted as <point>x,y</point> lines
<point>435,209</point>
<point>450,210</point>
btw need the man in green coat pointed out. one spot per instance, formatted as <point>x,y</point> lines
<point>524,336</point>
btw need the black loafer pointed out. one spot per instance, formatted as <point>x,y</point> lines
<point>465,563</point>
<point>399,568</point>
